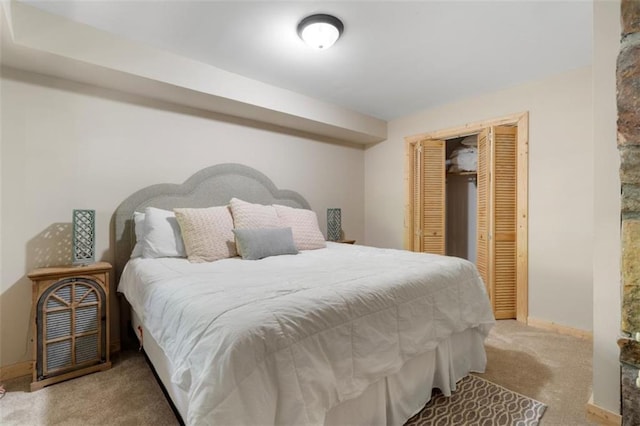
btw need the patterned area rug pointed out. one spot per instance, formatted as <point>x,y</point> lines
<point>479,402</point>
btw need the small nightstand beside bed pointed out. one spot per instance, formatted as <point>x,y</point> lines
<point>337,335</point>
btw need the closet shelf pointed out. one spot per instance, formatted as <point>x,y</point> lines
<point>463,173</point>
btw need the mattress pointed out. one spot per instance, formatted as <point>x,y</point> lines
<point>286,339</point>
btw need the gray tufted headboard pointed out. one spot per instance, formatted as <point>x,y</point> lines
<point>213,186</point>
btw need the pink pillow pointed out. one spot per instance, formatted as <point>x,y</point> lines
<point>304,225</point>
<point>253,216</point>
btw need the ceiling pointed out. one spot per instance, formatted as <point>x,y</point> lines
<point>394,58</point>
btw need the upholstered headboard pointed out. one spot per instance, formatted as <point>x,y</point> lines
<point>213,186</point>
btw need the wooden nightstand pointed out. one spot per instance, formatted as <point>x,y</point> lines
<point>70,321</point>
<point>346,241</point>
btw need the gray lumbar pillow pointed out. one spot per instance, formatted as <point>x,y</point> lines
<point>254,244</point>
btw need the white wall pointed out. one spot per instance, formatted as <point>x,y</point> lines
<point>46,43</point>
<point>67,145</point>
<point>560,186</point>
<point>606,259</point>
<point>462,198</point>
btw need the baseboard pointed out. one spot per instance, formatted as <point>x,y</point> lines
<point>559,328</point>
<point>14,371</point>
<point>601,415</point>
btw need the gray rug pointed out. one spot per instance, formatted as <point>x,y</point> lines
<point>479,402</point>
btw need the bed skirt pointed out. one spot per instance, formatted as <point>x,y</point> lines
<point>390,401</point>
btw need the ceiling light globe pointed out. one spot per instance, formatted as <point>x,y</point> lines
<point>320,35</point>
<point>320,31</point>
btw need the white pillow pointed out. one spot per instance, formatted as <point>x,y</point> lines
<point>253,216</point>
<point>162,234</point>
<point>304,225</point>
<point>207,233</point>
<point>138,227</point>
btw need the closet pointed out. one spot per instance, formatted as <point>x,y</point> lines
<point>471,211</point>
<point>461,197</point>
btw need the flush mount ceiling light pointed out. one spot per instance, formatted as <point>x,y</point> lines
<point>320,31</point>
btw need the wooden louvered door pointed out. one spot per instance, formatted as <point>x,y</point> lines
<point>497,202</point>
<point>429,194</point>
<point>503,221</point>
<point>483,207</point>
<point>416,204</point>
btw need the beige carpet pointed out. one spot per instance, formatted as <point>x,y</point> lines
<point>551,368</point>
<point>127,394</point>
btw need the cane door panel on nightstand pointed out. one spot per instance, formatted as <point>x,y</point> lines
<point>71,306</point>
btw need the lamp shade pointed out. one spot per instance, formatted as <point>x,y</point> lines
<point>320,31</point>
<point>84,237</point>
<point>334,224</point>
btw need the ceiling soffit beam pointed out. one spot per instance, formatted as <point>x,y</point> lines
<point>42,42</point>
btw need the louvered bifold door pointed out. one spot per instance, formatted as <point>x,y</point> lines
<point>432,196</point>
<point>503,221</point>
<point>416,207</point>
<point>483,208</point>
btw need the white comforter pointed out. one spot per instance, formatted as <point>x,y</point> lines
<point>283,339</point>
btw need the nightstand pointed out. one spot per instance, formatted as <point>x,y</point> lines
<point>346,241</point>
<point>70,321</point>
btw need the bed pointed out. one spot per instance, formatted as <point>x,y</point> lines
<point>339,335</point>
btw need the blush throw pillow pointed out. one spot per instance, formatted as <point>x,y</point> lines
<point>254,244</point>
<point>162,236</point>
<point>304,225</point>
<point>253,216</point>
<point>207,233</point>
